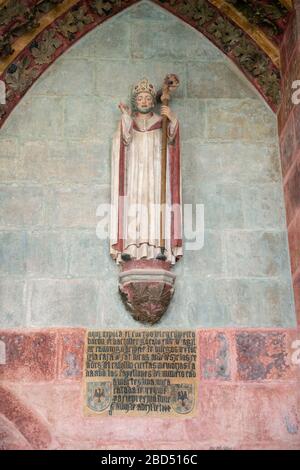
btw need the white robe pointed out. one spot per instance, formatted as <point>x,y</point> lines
<point>141,227</point>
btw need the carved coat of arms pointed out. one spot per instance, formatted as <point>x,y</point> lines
<point>182,397</point>
<point>99,395</point>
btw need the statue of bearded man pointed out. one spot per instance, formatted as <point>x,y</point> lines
<point>136,182</point>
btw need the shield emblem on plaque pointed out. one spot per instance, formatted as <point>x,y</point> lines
<point>182,397</point>
<point>99,395</point>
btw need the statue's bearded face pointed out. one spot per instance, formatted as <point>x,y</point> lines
<point>144,102</point>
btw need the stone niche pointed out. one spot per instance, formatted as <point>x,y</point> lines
<point>55,171</point>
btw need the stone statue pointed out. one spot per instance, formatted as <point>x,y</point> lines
<point>136,174</point>
<point>146,220</point>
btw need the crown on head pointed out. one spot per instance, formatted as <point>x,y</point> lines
<point>144,86</point>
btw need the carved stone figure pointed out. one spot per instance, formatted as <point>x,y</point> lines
<point>146,220</point>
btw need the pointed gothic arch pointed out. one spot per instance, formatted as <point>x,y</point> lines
<point>73,19</point>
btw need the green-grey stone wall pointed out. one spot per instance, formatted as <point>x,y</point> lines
<point>55,171</point>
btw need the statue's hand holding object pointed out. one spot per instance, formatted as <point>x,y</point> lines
<point>166,111</point>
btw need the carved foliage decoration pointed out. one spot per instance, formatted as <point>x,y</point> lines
<point>49,44</point>
<point>198,10</point>
<point>20,77</point>
<point>103,7</point>
<point>225,33</point>
<point>73,22</point>
<point>147,302</point>
<point>232,40</point>
<point>17,18</point>
<point>87,14</point>
<point>257,64</point>
<point>43,50</point>
<point>270,16</point>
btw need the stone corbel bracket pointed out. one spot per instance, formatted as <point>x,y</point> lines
<point>146,288</point>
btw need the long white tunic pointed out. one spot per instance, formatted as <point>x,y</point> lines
<point>141,213</point>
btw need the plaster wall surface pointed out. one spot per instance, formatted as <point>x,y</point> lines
<point>55,171</point>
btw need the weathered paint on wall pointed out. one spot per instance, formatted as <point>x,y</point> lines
<point>248,397</point>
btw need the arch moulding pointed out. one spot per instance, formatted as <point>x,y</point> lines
<point>68,22</point>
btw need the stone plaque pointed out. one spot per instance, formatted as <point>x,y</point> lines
<point>140,372</point>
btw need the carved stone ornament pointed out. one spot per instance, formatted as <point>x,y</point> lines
<point>145,225</point>
<point>146,289</point>
<point>257,55</point>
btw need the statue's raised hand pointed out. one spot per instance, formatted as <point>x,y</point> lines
<point>124,109</point>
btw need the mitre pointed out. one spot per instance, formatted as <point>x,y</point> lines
<point>144,86</point>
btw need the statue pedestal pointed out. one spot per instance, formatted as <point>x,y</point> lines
<point>146,288</point>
